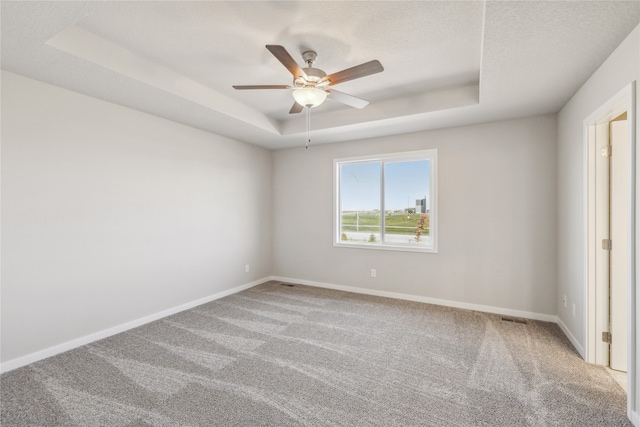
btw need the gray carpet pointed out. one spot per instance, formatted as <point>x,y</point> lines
<point>276,355</point>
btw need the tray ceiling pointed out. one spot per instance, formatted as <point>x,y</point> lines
<point>446,63</point>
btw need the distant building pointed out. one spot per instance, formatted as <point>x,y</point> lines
<point>421,206</point>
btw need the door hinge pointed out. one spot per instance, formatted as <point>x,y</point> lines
<point>606,337</point>
<point>606,151</point>
<point>606,244</point>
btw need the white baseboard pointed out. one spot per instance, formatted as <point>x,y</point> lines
<point>573,339</point>
<point>635,419</point>
<point>428,300</point>
<point>78,342</point>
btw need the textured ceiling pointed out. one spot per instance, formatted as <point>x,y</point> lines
<point>446,63</point>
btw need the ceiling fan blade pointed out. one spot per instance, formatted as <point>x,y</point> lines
<point>362,70</point>
<point>248,87</point>
<point>283,56</point>
<point>346,99</point>
<point>297,108</point>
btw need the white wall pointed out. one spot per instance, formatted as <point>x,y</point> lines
<point>621,68</point>
<point>497,212</point>
<point>109,215</point>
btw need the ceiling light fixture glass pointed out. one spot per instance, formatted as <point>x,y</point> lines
<point>309,96</point>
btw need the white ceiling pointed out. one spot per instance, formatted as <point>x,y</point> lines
<point>447,63</point>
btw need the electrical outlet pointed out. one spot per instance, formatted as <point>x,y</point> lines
<point>564,300</point>
<point>574,310</point>
<point>373,272</point>
<point>246,268</point>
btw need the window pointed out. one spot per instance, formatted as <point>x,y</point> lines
<point>387,202</point>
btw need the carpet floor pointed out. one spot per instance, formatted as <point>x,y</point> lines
<point>278,355</point>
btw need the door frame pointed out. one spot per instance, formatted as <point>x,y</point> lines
<point>621,102</point>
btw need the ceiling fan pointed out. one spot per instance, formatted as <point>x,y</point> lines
<point>312,85</point>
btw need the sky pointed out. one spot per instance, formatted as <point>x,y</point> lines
<point>404,183</point>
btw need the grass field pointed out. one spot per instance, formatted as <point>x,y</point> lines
<point>395,223</point>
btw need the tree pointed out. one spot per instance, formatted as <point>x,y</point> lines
<point>423,224</point>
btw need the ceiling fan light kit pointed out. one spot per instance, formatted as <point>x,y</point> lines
<point>309,96</point>
<point>312,84</point>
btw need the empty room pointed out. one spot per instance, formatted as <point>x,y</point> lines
<point>319,213</point>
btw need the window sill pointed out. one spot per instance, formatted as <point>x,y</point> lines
<point>387,247</point>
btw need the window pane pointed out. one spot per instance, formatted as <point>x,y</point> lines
<point>397,191</point>
<point>407,202</point>
<point>360,202</point>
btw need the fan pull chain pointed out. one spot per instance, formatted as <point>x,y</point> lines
<point>308,127</point>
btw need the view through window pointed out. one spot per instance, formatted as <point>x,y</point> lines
<point>387,202</point>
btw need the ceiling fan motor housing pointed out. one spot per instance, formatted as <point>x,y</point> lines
<point>314,76</point>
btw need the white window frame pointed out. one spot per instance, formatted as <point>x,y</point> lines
<point>432,156</point>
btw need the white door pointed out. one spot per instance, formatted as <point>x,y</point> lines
<point>619,237</point>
